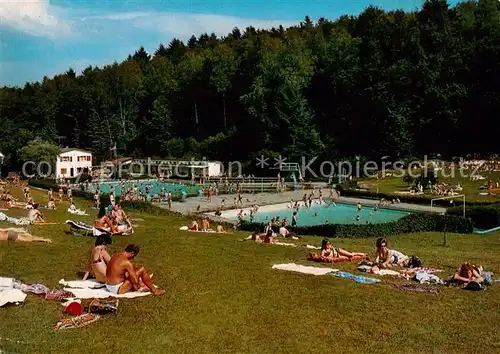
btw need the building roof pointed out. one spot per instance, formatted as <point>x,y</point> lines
<point>64,150</point>
<point>118,161</point>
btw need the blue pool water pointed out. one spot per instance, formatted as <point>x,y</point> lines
<point>319,214</point>
<point>154,187</point>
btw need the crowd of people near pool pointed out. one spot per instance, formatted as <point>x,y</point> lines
<point>306,205</point>
<point>153,190</point>
<point>120,275</point>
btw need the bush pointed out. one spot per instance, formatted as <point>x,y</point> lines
<point>483,217</point>
<point>418,222</point>
<point>147,208</point>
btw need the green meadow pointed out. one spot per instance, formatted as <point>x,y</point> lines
<point>223,297</point>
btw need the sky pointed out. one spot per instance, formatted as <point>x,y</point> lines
<point>42,38</point>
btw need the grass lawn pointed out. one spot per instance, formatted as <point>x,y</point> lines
<point>222,296</point>
<point>470,188</point>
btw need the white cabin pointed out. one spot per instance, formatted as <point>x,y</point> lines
<point>72,162</point>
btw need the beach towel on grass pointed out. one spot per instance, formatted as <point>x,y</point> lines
<point>360,279</point>
<point>87,290</point>
<point>8,295</point>
<point>286,244</point>
<point>82,284</point>
<point>420,288</point>
<point>292,267</point>
<point>319,258</point>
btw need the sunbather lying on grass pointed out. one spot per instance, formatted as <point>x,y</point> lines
<point>16,234</point>
<point>387,258</point>
<point>330,253</point>
<point>268,237</point>
<point>468,273</point>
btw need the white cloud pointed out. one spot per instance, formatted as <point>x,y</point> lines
<point>183,25</point>
<point>34,17</point>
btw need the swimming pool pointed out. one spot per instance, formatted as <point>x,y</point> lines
<point>152,186</point>
<point>321,213</point>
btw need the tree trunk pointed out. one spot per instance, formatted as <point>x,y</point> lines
<point>196,116</point>
<point>224,107</point>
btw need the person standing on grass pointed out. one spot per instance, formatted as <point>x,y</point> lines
<point>122,276</point>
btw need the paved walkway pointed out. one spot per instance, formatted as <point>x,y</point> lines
<point>191,204</point>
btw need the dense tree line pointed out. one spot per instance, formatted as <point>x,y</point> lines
<point>382,83</point>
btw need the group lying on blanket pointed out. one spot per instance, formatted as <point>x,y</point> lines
<point>205,227</point>
<point>117,271</point>
<point>386,258</point>
<point>271,234</point>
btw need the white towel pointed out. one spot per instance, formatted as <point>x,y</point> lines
<point>82,284</point>
<point>311,247</point>
<point>286,244</point>
<point>387,272</point>
<point>91,289</point>
<point>292,267</point>
<point>6,282</point>
<point>102,293</point>
<point>11,295</point>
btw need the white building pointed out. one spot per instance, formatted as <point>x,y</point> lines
<point>72,162</point>
<point>176,168</point>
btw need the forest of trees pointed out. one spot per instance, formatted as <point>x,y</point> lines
<point>382,83</point>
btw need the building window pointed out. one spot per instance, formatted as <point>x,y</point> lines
<point>89,158</point>
<point>66,159</point>
<point>64,171</point>
<point>82,158</point>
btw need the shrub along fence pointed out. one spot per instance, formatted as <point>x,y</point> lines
<point>484,217</point>
<point>418,222</point>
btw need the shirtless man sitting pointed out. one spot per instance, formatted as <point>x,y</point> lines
<point>122,276</point>
<point>120,218</point>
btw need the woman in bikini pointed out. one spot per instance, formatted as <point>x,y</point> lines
<point>330,252</point>
<point>102,222</point>
<point>99,259</point>
<point>21,235</point>
<point>387,258</point>
<point>468,273</point>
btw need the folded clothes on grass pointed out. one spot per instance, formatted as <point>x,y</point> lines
<point>78,321</point>
<point>58,294</point>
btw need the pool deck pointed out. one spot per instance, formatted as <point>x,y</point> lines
<point>191,204</point>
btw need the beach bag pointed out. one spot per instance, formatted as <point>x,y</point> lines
<point>103,307</point>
